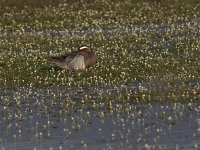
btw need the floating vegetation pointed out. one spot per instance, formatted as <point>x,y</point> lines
<point>147,52</point>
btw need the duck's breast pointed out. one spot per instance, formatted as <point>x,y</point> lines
<point>90,59</point>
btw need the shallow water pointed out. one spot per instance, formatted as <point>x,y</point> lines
<point>44,122</point>
<point>179,26</point>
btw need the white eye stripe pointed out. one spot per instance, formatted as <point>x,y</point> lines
<point>83,47</point>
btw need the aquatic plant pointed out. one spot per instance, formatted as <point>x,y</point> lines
<point>145,52</point>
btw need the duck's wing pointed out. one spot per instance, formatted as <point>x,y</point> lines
<point>59,61</point>
<point>72,61</point>
<point>56,59</point>
<point>77,62</point>
<point>70,57</point>
<point>63,58</point>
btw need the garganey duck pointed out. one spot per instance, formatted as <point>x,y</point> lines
<point>76,60</point>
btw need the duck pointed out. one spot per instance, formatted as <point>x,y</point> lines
<point>81,59</point>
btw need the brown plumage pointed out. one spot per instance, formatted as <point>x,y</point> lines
<point>76,60</point>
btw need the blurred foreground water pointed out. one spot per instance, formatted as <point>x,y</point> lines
<point>44,120</point>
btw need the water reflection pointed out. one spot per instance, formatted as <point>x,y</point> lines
<point>43,122</point>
